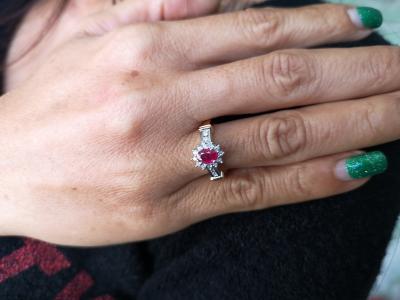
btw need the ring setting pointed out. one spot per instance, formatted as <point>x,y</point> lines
<point>207,155</point>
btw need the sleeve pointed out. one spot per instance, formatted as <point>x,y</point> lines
<point>326,249</point>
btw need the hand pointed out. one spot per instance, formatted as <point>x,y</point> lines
<point>35,40</point>
<point>97,144</point>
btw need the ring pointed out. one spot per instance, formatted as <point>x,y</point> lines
<point>207,155</point>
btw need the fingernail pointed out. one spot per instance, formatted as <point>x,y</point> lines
<point>366,17</point>
<point>361,166</point>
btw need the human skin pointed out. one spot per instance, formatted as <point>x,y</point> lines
<point>98,139</point>
<point>94,18</point>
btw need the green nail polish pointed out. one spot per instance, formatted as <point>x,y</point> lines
<point>366,165</point>
<point>371,18</point>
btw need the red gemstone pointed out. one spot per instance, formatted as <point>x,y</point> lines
<point>208,156</point>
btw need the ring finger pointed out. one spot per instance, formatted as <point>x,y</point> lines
<point>297,135</point>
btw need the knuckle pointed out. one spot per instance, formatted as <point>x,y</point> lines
<point>259,28</point>
<point>245,190</point>
<point>281,136</point>
<point>138,43</point>
<point>386,58</point>
<point>129,120</point>
<point>147,37</point>
<point>384,61</point>
<point>369,118</point>
<point>300,187</point>
<point>333,17</point>
<point>124,122</point>
<point>288,74</point>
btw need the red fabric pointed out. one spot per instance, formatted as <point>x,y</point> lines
<point>76,288</point>
<point>33,253</point>
<point>50,261</point>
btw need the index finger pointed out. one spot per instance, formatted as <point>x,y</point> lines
<point>232,36</point>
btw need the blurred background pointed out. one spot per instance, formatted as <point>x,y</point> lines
<point>387,285</point>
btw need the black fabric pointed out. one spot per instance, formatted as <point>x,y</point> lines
<point>328,249</point>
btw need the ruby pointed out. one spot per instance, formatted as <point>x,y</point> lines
<point>208,156</point>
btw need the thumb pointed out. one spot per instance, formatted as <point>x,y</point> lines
<point>181,9</point>
<point>232,5</point>
<point>133,11</point>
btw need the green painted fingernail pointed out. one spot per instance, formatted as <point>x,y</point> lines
<point>366,165</point>
<point>366,17</point>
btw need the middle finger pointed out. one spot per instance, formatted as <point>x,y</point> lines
<point>290,78</point>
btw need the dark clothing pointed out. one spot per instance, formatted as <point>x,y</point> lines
<point>329,249</point>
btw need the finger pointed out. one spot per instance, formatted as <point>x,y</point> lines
<point>228,37</point>
<point>260,188</point>
<point>292,136</point>
<point>233,5</point>
<point>134,11</point>
<point>291,78</point>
